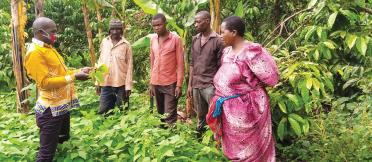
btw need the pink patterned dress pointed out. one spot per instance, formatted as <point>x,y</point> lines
<point>244,126</point>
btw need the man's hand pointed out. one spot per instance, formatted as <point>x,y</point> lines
<point>189,92</point>
<point>81,75</point>
<point>177,92</point>
<point>86,69</point>
<point>152,91</point>
<point>98,90</point>
<point>189,88</point>
<point>127,93</point>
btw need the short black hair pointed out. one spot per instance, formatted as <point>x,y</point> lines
<point>159,16</point>
<point>204,14</point>
<point>235,23</point>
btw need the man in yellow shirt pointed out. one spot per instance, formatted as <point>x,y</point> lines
<point>56,89</point>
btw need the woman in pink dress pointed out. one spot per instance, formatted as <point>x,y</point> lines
<point>240,113</point>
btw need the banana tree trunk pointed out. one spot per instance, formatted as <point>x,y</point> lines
<point>123,8</point>
<point>215,15</point>
<point>99,18</point>
<point>39,5</point>
<point>88,30</point>
<point>113,11</point>
<point>18,23</point>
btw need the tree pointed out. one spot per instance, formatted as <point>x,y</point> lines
<point>99,17</point>
<point>215,14</point>
<point>113,12</point>
<point>39,8</point>
<point>19,19</point>
<point>88,30</point>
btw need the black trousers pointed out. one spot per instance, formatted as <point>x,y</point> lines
<point>53,130</point>
<point>166,102</point>
<point>109,97</point>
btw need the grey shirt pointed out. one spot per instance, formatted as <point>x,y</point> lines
<point>205,59</point>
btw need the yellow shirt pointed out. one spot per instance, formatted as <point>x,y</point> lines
<point>55,83</point>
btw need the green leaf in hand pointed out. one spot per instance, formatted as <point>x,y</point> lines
<point>98,73</point>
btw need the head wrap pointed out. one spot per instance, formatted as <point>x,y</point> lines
<point>115,24</point>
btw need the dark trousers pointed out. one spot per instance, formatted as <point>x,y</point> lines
<point>166,102</point>
<point>53,130</point>
<point>201,98</point>
<point>109,97</point>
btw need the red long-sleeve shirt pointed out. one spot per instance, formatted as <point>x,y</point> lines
<point>166,61</point>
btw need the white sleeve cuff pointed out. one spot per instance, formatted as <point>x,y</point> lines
<point>68,78</point>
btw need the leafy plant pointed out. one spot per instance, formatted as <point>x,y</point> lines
<point>6,74</point>
<point>98,73</point>
<point>312,63</point>
<point>344,134</point>
<point>320,108</point>
<point>134,135</point>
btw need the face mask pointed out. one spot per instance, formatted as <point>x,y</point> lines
<point>52,36</point>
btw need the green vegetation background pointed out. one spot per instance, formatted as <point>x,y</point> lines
<point>321,109</point>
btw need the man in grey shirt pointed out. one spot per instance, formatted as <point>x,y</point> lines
<point>206,50</point>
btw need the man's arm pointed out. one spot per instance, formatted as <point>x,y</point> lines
<point>220,47</point>
<point>152,57</point>
<point>180,62</point>
<point>129,58</point>
<point>37,69</point>
<point>189,87</point>
<point>180,67</point>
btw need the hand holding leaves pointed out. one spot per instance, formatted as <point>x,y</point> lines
<point>83,74</point>
<point>86,69</point>
<point>98,73</point>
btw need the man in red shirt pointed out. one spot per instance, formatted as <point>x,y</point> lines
<point>167,68</point>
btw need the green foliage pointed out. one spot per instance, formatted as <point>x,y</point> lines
<point>7,101</point>
<point>142,42</point>
<point>320,108</point>
<point>134,135</point>
<point>344,134</point>
<point>72,42</point>
<point>180,18</point>
<point>239,11</point>
<point>305,87</point>
<point>98,73</point>
<point>6,74</point>
<point>312,65</point>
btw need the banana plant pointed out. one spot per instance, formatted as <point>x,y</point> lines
<point>186,8</point>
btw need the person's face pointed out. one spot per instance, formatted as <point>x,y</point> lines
<point>116,33</point>
<point>159,26</point>
<point>49,33</point>
<point>227,35</point>
<point>201,23</point>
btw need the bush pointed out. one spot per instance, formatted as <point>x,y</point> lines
<point>344,134</point>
